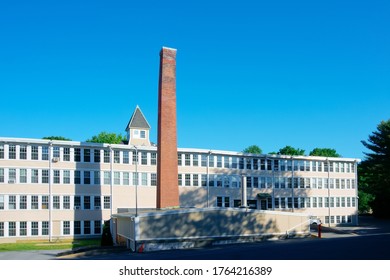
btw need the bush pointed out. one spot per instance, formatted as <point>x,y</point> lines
<point>106,235</point>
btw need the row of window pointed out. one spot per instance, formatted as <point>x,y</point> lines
<point>290,202</point>
<point>27,228</point>
<point>28,152</point>
<point>234,181</point>
<point>77,177</point>
<point>67,154</point>
<point>60,202</point>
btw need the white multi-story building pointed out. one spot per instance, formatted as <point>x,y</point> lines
<point>66,189</point>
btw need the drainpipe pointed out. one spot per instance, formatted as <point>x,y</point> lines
<point>328,164</point>
<point>208,178</point>
<point>357,192</point>
<point>244,198</point>
<point>50,192</point>
<point>292,183</point>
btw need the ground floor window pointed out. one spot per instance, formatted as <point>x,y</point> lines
<point>223,201</point>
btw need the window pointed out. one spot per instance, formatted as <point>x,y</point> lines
<point>153,179</point>
<point>153,160</point>
<point>77,227</point>
<point>117,178</point>
<point>87,227</point>
<point>204,160</point>
<point>77,177</point>
<point>66,202</point>
<point>87,155</point>
<point>117,158</point>
<point>179,161</point>
<point>1,228</point>
<point>106,156</point>
<point>56,177</point>
<point>234,163</point>
<point>23,228</point>
<point>66,154</point>
<point>45,202</point>
<point>77,202</point>
<point>283,202</point>
<point>96,202</point>
<point>126,178</point>
<point>34,228</point>
<point>1,175</point>
<point>107,178</point>
<point>179,180</point>
<point>77,154</point>
<point>204,180</point>
<point>12,175</point>
<point>87,202</point>
<point>12,229</point>
<point>195,160</point>
<point>107,202</point>
<point>23,152</point>
<point>34,176</point>
<point>34,152</point>
<point>1,202</point>
<point>290,202</point>
<point>12,151</point>
<point>143,134</point>
<point>56,152</point>
<point>219,161</point>
<point>187,159</point>
<point>23,176</point>
<point>66,227</point>
<point>1,151</point>
<point>211,161</point>
<point>135,179</point>
<point>34,202</point>
<point>45,228</point>
<point>226,162</point>
<point>12,202</point>
<point>97,227</point>
<point>187,180</point>
<point>96,155</point>
<point>96,177</point>
<point>195,180</point>
<point>144,158</point>
<point>135,157</point>
<point>126,157</point>
<point>87,177</point>
<point>56,202</point>
<point>23,202</point>
<point>66,176</point>
<point>144,179</point>
<point>223,201</point>
<point>45,153</point>
<point>45,176</point>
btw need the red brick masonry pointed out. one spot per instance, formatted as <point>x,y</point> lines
<point>167,169</point>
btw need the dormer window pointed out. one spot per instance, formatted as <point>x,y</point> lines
<point>139,134</point>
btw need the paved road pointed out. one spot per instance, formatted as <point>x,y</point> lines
<point>369,241</point>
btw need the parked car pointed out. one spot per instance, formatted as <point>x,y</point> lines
<point>315,220</point>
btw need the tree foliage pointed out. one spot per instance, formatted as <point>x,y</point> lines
<point>324,152</point>
<point>253,149</point>
<point>56,138</point>
<point>375,169</point>
<point>109,138</point>
<point>290,151</point>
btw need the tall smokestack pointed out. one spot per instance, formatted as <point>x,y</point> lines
<point>167,169</point>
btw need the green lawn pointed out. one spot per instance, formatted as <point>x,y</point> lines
<point>46,245</point>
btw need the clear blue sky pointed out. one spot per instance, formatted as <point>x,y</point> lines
<point>272,73</point>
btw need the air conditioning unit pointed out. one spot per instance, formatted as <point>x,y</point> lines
<point>97,207</point>
<point>77,208</point>
<point>11,181</point>
<point>56,159</point>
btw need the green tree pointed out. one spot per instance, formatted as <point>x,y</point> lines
<point>290,151</point>
<point>109,138</point>
<point>324,152</point>
<point>56,138</point>
<point>253,149</point>
<point>375,169</point>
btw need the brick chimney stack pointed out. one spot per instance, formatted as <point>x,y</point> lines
<point>167,169</point>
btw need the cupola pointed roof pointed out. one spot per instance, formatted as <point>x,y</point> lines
<point>138,120</point>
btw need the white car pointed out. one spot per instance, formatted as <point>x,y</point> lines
<point>315,220</point>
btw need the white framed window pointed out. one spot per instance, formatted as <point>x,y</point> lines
<point>223,201</point>
<point>66,227</point>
